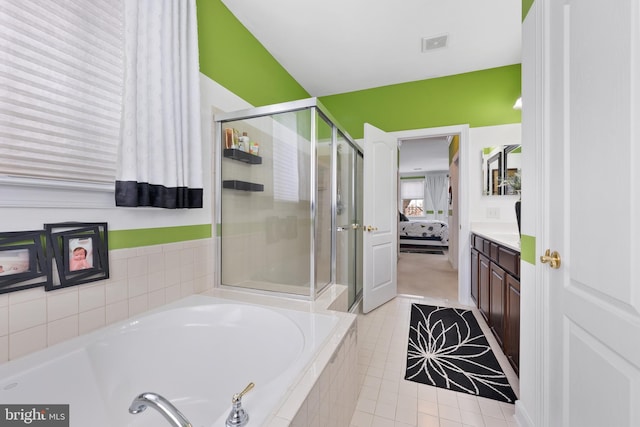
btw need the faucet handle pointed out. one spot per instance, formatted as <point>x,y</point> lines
<point>238,417</point>
<point>236,397</point>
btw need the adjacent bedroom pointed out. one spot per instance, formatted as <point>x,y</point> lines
<point>423,219</point>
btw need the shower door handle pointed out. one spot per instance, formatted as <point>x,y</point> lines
<point>348,227</point>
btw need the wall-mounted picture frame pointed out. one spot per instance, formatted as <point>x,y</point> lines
<point>77,253</point>
<point>23,263</point>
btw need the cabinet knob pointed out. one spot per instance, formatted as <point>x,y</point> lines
<point>553,258</point>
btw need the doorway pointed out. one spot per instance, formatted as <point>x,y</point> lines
<point>456,206</point>
<point>425,204</point>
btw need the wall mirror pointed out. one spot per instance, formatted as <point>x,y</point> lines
<point>501,170</point>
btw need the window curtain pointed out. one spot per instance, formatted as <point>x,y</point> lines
<point>159,157</point>
<point>436,189</point>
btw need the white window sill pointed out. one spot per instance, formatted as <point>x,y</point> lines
<point>39,193</point>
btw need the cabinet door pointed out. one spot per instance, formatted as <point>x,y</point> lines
<point>474,277</point>
<point>497,287</point>
<point>512,338</point>
<point>483,286</point>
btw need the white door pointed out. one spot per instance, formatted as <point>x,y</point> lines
<point>380,218</point>
<point>592,140</point>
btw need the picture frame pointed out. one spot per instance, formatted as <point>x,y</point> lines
<point>23,263</point>
<point>77,253</point>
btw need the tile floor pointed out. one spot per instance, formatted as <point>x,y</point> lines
<point>387,400</point>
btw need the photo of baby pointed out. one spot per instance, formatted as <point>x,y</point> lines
<point>14,261</point>
<point>80,251</point>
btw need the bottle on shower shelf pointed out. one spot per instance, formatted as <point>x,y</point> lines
<point>243,142</point>
<point>253,148</point>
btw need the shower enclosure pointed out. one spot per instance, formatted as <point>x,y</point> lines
<point>289,206</point>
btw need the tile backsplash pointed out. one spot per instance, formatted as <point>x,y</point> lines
<point>140,279</point>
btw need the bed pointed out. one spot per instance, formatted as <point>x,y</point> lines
<point>424,232</point>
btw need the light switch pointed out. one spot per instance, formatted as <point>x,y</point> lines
<point>493,213</point>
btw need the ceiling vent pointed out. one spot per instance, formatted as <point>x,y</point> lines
<point>434,43</point>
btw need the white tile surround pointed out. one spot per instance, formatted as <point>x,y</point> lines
<point>326,393</point>
<point>148,277</point>
<point>332,398</point>
<point>140,279</point>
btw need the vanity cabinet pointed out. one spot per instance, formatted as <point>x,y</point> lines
<point>512,322</point>
<point>495,288</point>
<point>484,275</point>
<point>474,278</point>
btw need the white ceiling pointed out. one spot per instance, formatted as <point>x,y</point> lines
<point>337,46</point>
<point>424,155</point>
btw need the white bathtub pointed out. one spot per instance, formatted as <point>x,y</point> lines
<point>196,352</point>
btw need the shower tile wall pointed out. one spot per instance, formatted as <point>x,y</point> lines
<point>140,279</point>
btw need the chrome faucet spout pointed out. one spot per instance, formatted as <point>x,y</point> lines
<point>161,405</point>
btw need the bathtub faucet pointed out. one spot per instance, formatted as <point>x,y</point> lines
<point>238,417</point>
<point>160,404</point>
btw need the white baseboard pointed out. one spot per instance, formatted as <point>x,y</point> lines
<point>522,416</point>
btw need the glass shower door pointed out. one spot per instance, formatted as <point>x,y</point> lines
<point>348,230</point>
<point>266,230</point>
<point>324,189</point>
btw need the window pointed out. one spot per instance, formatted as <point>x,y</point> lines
<point>60,91</point>
<point>412,195</point>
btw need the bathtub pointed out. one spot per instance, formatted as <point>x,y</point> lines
<point>196,352</point>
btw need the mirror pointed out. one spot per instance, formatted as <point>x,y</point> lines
<point>501,169</point>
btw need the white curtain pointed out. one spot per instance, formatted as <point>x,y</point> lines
<point>159,158</point>
<point>436,190</point>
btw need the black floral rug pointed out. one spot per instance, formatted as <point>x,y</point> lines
<point>447,349</point>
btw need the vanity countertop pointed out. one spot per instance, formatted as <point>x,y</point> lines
<point>500,235</point>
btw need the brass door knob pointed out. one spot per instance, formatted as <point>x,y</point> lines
<point>553,258</point>
<point>370,228</point>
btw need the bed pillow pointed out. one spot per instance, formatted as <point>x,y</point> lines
<point>403,217</point>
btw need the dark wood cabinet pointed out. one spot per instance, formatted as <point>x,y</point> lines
<point>474,276</point>
<point>512,338</point>
<point>495,288</point>
<point>484,276</point>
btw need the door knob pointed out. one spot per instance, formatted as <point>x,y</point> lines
<point>553,258</point>
<point>370,228</point>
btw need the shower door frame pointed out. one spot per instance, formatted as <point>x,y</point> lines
<point>313,105</point>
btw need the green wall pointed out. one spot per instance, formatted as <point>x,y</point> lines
<point>526,5</point>
<point>121,239</point>
<point>454,147</point>
<point>528,249</point>
<point>233,57</point>
<point>479,98</point>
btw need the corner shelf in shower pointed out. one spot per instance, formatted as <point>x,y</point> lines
<point>242,156</point>
<point>242,185</point>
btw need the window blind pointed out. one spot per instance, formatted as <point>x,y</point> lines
<point>61,85</point>
<point>412,189</point>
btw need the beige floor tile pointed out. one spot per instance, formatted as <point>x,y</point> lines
<point>386,399</point>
